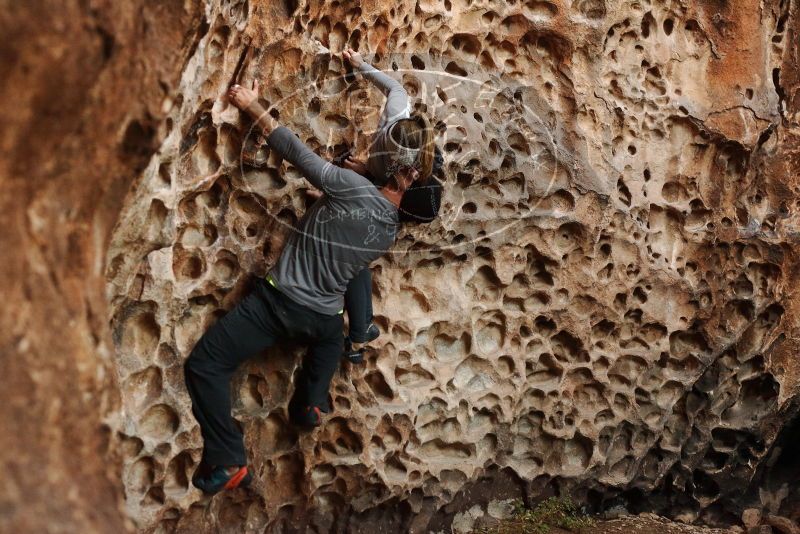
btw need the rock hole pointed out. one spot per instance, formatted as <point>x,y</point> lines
<point>454,69</point>
<point>138,142</point>
<point>165,173</point>
<point>176,478</point>
<point>159,422</point>
<point>624,192</point>
<point>142,388</point>
<point>187,264</point>
<point>648,22</point>
<point>155,497</point>
<point>378,385</point>
<point>141,475</point>
<point>140,334</point>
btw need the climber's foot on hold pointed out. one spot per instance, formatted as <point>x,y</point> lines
<point>354,352</point>
<point>305,417</point>
<point>222,478</point>
<point>372,333</point>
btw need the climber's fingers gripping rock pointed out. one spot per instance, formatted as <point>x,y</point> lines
<point>355,164</point>
<point>353,57</point>
<point>242,97</point>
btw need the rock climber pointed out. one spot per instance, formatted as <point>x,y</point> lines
<point>302,296</point>
<point>420,203</point>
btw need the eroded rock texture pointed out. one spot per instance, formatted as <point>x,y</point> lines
<point>82,89</point>
<point>607,303</point>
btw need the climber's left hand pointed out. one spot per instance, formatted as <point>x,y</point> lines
<point>242,97</point>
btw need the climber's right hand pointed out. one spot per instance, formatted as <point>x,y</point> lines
<point>353,57</point>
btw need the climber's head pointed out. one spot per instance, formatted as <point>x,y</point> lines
<point>421,201</point>
<point>411,151</point>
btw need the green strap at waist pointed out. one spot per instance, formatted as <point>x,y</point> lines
<point>273,284</point>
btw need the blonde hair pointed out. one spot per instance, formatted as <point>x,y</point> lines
<point>416,133</point>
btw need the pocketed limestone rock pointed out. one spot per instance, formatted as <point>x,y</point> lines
<point>600,306</point>
<point>605,307</point>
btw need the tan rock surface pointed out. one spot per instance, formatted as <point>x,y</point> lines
<point>607,304</point>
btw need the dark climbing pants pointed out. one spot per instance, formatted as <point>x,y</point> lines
<point>261,319</point>
<point>358,303</point>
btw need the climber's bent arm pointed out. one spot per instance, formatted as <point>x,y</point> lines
<point>334,181</point>
<point>262,117</point>
<point>396,96</point>
<point>324,175</point>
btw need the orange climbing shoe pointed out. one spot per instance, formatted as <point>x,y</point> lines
<point>219,479</point>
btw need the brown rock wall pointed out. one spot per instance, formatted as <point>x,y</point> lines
<point>607,303</point>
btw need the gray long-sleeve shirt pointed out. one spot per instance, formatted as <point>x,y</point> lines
<point>349,227</point>
<point>396,108</point>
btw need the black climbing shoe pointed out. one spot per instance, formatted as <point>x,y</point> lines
<point>372,333</point>
<point>355,356</point>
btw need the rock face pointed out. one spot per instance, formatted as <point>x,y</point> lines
<point>606,306</point>
<point>83,85</point>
